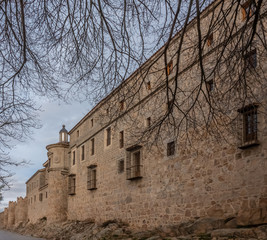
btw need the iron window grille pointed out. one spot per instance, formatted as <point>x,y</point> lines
<point>250,126</point>
<point>133,165</point>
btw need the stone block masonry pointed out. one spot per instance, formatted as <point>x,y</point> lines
<point>106,171</point>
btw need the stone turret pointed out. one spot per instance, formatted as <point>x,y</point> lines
<point>58,178</point>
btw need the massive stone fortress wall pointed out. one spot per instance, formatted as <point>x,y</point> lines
<point>107,171</point>
<point>15,214</point>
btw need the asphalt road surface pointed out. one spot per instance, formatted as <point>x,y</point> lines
<point>5,235</point>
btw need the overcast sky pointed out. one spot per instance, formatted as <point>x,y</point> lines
<point>52,118</point>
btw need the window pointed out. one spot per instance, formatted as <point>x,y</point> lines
<point>92,122</point>
<point>170,105</point>
<point>34,198</point>
<point>210,86</point>
<point>78,133</point>
<point>251,59</point>
<point>92,146</point>
<point>247,9</point>
<point>210,40</point>
<point>91,178</point>
<point>133,164</point>
<point>169,67</point>
<point>82,152</point>
<point>121,139</point>
<point>121,166</point>
<point>249,115</point>
<point>148,85</point>
<point>45,194</point>
<point>122,103</point>
<point>170,148</point>
<point>108,134</point>
<point>72,184</point>
<point>73,158</point>
<point>40,197</point>
<point>148,122</point>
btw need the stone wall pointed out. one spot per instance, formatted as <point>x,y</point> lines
<point>5,217</point>
<point>21,210</point>
<point>37,197</point>
<point>210,178</point>
<point>2,219</point>
<point>11,214</point>
<point>15,214</point>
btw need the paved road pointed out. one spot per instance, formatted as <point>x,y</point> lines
<point>5,235</point>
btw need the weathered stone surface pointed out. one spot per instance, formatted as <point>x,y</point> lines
<point>261,232</point>
<point>231,223</point>
<point>234,233</point>
<point>215,211</point>
<point>202,226</point>
<point>252,216</point>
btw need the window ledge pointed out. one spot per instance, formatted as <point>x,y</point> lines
<point>94,188</point>
<point>249,144</point>
<point>133,178</point>
<point>71,193</point>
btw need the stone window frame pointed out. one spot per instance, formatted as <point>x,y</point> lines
<point>40,197</point>
<point>121,139</point>
<point>121,166</point>
<point>250,59</point>
<point>210,85</point>
<point>92,141</point>
<point>92,177</point>
<point>170,105</point>
<point>134,167</point>
<point>72,184</point>
<point>108,137</point>
<point>210,39</point>
<point>73,157</point>
<point>249,125</point>
<point>148,122</point>
<point>148,85</point>
<point>171,148</point>
<point>122,105</point>
<point>82,152</point>
<point>169,67</point>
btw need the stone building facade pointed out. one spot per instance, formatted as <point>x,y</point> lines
<point>110,170</point>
